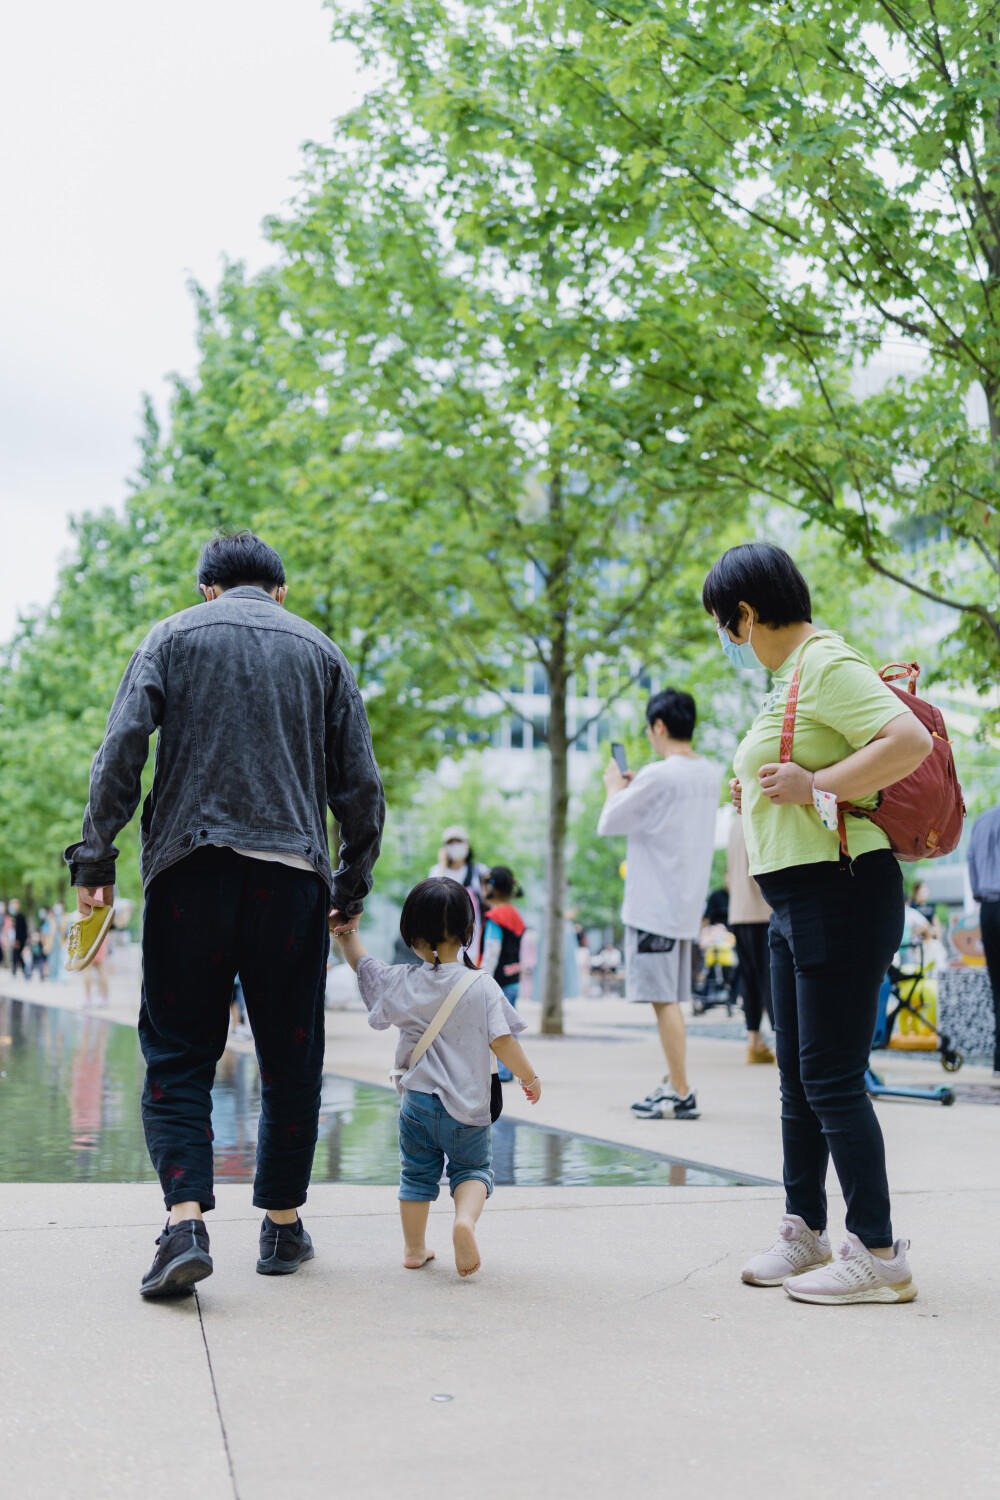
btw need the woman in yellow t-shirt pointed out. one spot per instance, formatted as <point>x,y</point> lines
<point>836,921</point>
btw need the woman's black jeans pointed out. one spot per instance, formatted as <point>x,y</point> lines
<point>834,930</point>
<point>208,917</point>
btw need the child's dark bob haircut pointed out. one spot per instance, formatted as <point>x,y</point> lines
<point>437,909</point>
<point>502,883</point>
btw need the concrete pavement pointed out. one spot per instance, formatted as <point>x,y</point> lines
<point>607,1342</point>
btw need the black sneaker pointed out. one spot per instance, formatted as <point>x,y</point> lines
<point>181,1260</point>
<point>283,1247</point>
<point>671,1108</point>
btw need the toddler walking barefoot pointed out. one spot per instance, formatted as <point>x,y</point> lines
<point>445,1115</point>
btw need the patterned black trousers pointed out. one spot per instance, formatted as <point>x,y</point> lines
<point>208,917</point>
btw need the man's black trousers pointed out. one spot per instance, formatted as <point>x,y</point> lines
<point>208,917</point>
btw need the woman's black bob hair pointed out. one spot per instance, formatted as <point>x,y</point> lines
<point>502,883</point>
<point>763,576</point>
<point>437,909</point>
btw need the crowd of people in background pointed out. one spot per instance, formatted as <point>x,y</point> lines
<point>35,947</point>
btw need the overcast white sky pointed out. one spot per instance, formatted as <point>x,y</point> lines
<point>138,145</point>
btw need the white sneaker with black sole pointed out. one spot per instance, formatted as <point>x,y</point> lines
<point>662,1091</point>
<point>669,1106</point>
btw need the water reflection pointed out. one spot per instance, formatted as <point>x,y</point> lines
<point>69,1112</point>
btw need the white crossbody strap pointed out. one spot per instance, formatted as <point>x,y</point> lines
<point>444,1010</point>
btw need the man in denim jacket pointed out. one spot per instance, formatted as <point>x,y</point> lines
<point>260,728</point>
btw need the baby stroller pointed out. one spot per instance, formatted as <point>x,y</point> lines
<point>903,994</point>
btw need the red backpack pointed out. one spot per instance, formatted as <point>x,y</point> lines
<point>922,814</point>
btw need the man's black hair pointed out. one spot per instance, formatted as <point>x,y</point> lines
<point>763,576</point>
<point>240,558</point>
<point>437,909</point>
<point>676,710</point>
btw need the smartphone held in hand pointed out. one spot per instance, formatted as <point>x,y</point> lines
<point>618,752</point>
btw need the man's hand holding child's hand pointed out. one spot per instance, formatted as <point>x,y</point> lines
<point>341,925</point>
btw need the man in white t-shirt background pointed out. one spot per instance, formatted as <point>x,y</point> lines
<point>667,811</point>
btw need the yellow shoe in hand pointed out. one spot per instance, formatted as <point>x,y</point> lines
<point>86,936</point>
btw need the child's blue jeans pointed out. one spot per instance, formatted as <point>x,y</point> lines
<point>428,1138</point>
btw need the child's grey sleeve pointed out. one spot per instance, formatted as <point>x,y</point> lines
<point>376,986</point>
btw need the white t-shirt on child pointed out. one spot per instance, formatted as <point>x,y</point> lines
<point>458,1063</point>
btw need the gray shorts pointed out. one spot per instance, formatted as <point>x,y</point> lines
<point>662,978</point>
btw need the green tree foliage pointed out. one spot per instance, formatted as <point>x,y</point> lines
<point>220,465</point>
<point>856,147</point>
<point>497,368</point>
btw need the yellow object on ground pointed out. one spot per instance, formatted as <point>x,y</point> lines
<point>913,1034</point>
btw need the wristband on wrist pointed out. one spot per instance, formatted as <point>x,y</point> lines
<point>825,804</point>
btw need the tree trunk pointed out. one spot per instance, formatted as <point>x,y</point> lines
<point>554,976</point>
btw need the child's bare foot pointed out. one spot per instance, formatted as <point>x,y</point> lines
<point>463,1237</point>
<point>414,1259</point>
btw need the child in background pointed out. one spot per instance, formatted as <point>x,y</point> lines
<point>445,1114</point>
<point>502,933</point>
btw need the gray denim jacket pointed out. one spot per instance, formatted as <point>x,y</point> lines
<point>260,726</point>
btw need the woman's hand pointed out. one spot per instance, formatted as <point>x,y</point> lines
<point>786,784</point>
<point>736,794</point>
<point>532,1090</point>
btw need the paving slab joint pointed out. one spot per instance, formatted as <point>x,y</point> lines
<point>215,1393</point>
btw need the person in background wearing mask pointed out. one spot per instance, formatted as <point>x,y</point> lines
<point>836,919</point>
<point>456,861</point>
<point>919,903</point>
<point>20,937</point>
<point>57,916</point>
<point>503,930</point>
<point>749,915</point>
<point>47,931</point>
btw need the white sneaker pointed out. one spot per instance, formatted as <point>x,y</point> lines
<point>663,1091</point>
<point>857,1276</point>
<point>798,1248</point>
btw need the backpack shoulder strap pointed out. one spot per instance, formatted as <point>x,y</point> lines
<point>894,670</point>
<point>444,1010</point>
<point>788,726</point>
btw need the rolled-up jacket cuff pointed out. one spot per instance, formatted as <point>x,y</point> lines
<point>92,875</point>
<point>350,908</point>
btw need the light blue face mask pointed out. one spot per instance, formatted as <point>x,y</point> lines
<point>740,653</point>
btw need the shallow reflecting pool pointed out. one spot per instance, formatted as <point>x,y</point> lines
<point>69,1112</point>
